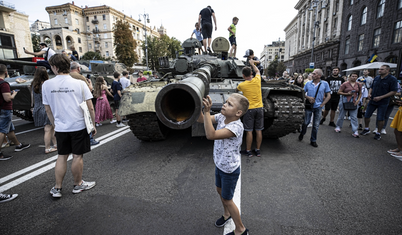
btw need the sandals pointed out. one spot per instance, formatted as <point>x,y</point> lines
<point>257,152</point>
<point>249,154</point>
<point>51,150</point>
<point>393,151</point>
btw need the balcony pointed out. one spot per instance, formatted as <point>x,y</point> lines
<point>97,40</point>
<point>96,31</point>
<point>95,21</point>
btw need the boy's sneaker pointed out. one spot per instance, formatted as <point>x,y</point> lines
<point>221,221</point>
<point>257,152</point>
<point>377,136</point>
<point>113,121</point>
<point>356,134</point>
<point>375,131</point>
<point>124,120</point>
<point>56,192</point>
<point>383,132</point>
<point>245,232</point>
<point>249,153</point>
<point>365,132</point>
<point>360,127</point>
<point>120,125</point>
<point>7,197</point>
<point>4,157</point>
<point>84,186</point>
<point>21,147</point>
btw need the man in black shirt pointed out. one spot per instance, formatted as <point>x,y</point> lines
<point>335,82</point>
<point>204,19</point>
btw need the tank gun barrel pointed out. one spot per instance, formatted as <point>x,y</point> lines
<point>17,62</point>
<point>178,105</point>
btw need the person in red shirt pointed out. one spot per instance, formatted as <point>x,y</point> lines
<point>6,114</point>
<point>141,77</point>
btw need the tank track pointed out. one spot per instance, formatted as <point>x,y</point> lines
<point>146,126</point>
<point>289,115</point>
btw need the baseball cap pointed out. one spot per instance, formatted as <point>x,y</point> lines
<point>248,53</point>
<point>361,80</point>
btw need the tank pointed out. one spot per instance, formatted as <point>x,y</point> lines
<point>175,101</point>
<point>22,70</point>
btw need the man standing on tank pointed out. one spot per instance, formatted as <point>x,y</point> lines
<point>204,19</point>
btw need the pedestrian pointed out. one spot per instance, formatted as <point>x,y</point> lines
<point>39,112</point>
<point>397,125</point>
<point>116,88</point>
<point>204,19</point>
<point>102,109</point>
<point>335,82</point>
<point>124,80</point>
<point>6,114</point>
<point>388,112</point>
<point>198,35</point>
<point>228,138</point>
<point>232,38</point>
<point>141,77</point>
<point>299,81</point>
<point>254,118</point>
<point>317,94</point>
<point>62,96</point>
<point>361,107</point>
<point>350,91</point>
<point>74,52</point>
<point>368,78</point>
<point>384,86</point>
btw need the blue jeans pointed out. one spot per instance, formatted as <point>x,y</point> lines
<point>316,112</point>
<point>387,114</point>
<point>352,114</point>
<point>6,124</point>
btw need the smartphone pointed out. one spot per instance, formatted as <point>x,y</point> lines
<point>353,91</point>
<point>16,90</point>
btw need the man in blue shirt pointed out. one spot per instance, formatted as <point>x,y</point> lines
<point>383,87</point>
<point>318,94</point>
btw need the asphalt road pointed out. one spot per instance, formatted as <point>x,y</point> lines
<point>345,186</point>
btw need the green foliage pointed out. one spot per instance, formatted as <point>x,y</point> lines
<point>124,44</point>
<point>91,55</point>
<point>35,42</point>
<point>147,73</point>
<point>276,68</point>
<point>158,47</point>
<point>308,70</point>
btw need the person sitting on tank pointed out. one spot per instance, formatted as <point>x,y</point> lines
<point>69,55</point>
<point>250,56</point>
<point>45,52</point>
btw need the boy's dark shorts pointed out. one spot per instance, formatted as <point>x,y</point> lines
<point>75,142</point>
<point>206,30</point>
<point>116,104</point>
<point>232,40</point>
<point>332,104</point>
<point>227,182</point>
<point>254,120</point>
<point>202,42</point>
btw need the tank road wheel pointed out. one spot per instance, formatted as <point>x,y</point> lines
<point>288,115</point>
<point>146,126</point>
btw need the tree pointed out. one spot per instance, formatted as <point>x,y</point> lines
<point>158,47</point>
<point>124,44</point>
<point>91,55</point>
<point>276,68</point>
<point>35,42</point>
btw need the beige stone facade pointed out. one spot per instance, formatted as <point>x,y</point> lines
<point>277,48</point>
<point>89,29</point>
<point>14,32</point>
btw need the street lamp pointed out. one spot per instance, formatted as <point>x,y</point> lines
<point>313,7</point>
<point>146,20</point>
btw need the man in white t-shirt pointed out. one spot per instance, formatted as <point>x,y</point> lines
<point>124,81</point>
<point>45,52</point>
<point>62,96</point>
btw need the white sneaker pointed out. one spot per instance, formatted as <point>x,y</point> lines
<point>310,125</point>
<point>84,186</point>
<point>337,129</point>
<point>98,124</point>
<point>113,121</point>
<point>383,132</point>
<point>375,131</point>
<point>120,125</point>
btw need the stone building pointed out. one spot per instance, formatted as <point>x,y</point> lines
<point>39,25</point>
<point>90,29</point>
<point>370,30</point>
<point>323,17</point>
<point>277,48</point>
<point>14,32</point>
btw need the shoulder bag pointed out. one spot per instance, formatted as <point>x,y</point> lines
<point>350,105</point>
<point>307,104</point>
<point>87,115</point>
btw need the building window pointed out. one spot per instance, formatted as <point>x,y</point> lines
<point>106,45</point>
<point>66,20</point>
<point>360,44</point>
<point>80,49</point>
<point>104,26</point>
<point>380,8</point>
<point>398,32</point>
<point>350,22</point>
<point>107,54</point>
<point>347,44</point>
<point>79,40</point>
<point>76,21</point>
<point>364,16</point>
<point>64,12</point>
<point>90,46</point>
<point>105,35</point>
<point>400,4</point>
<point>88,29</point>
<point>55,22</point>
<point>87,19</point>
<point>54,13</point>
<point>94,17</point>
<point>104,17</point>
<point>376,38</point>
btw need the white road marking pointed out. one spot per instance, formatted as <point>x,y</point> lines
<point>22,132</point>
<point>18,119</point>
<point>230,226</point>
<point>39,171</point>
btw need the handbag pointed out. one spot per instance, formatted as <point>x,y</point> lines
<point>307,104</point>
<point>87,115</point>
<point>350,105</point>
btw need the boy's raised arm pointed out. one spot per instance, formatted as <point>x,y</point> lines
<point>210,131</point>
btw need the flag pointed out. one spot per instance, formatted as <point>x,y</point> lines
<point>372,58</point>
